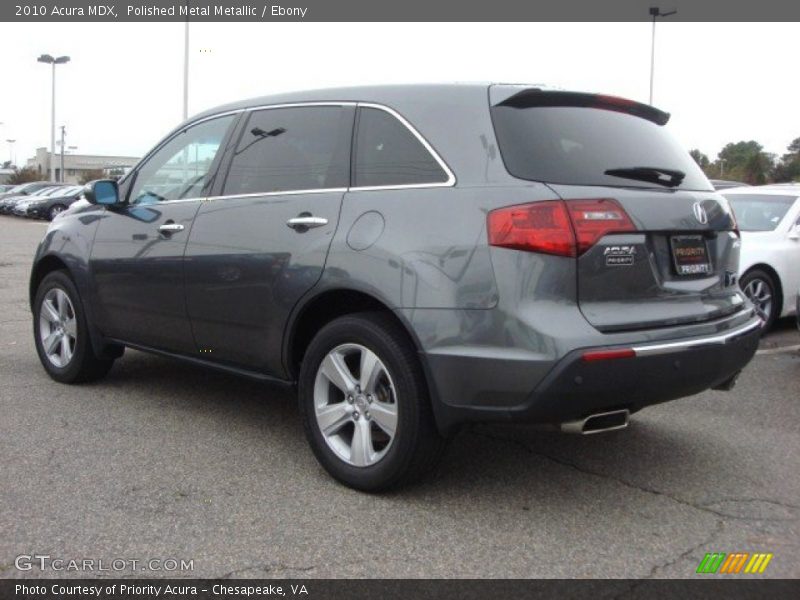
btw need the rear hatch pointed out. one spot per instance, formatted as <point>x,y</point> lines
<point>655,245</point>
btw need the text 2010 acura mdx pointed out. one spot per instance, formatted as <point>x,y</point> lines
<point>414,258</point>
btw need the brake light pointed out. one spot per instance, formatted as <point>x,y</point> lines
<point>563,228</point>
<point>592,219</point>
<point>536,227</point>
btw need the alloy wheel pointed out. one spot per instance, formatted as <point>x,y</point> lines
<point>355,405</point>
<point>58,330</point>
<point>760,294</point>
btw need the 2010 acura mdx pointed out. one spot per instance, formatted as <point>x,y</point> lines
<point>412,258</point>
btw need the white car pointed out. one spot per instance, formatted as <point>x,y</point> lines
<point>769,268</point>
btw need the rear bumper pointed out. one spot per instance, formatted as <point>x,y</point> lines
<point>655,372</point>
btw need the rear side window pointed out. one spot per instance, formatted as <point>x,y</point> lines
<point>387,153</point>
<point>577,145</point>
<point>291,149</point>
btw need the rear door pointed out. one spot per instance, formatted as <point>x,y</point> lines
<point>261,242</point>
<point>655,245</point>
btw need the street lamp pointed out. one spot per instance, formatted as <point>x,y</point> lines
<point>49,60</point>
<point>11,152</point>
<point>186,67</point>
<point>655,12</point>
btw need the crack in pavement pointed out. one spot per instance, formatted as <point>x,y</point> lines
<point>266,568</point>
<point>639,487</point>
<point>685,554</point>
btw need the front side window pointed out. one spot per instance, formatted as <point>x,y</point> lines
<point>389,154</point>
<point>179,169</point>
<point>292,149</point>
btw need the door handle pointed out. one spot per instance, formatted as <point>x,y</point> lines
<point>170,228</point>
<point>306,221</point>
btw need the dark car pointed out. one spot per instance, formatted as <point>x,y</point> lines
<point>25,189</point>
<point>8,205</point>
<point>412,258</point>
<point>51,205</point>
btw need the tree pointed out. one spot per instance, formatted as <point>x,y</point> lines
<point>700,158</point>
<point>24,175</point>
<point>90,175</point>
<point>788,168</point>
<point>756,169</point>
<point>744,161</point>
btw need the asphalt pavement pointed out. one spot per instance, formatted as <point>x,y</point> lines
<point>162,460</point>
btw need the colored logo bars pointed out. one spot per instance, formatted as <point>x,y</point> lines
<point>719,562</point>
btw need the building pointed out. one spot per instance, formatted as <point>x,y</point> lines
<point>77,165</point>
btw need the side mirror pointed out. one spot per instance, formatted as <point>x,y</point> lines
<point>103,191</point>
<point>794,232</point>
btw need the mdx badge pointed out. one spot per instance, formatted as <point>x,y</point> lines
<point>619,256</point>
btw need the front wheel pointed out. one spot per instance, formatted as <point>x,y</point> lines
<point>61,333</point>
<point>365,406</point>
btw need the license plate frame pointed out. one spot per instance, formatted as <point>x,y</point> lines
<point>686,259</point>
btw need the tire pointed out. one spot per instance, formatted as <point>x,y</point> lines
<point>77,363</point>
<point>55,210</point>
<point>397,386</point>
<point>761,289</point>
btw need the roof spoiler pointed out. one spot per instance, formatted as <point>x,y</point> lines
<point>533,97</point>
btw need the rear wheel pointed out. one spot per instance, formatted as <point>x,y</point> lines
<point>761,289</point>
<point>55,210</point>
<point>61,333</point>
<point>365,405</point>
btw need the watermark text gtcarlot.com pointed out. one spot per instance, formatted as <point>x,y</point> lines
<point>45,562</point>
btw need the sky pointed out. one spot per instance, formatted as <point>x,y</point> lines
<point>123,91</point>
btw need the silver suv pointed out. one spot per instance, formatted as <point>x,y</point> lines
<point>412,258</point>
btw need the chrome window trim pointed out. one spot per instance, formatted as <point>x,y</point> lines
<point>286,193</point>
<point>451,178</point>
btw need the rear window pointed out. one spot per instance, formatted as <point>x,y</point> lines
<point>759,212</point>
<point>576,145</point>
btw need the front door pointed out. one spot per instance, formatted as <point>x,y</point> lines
<point>137,255</point>
<point>261,243</point>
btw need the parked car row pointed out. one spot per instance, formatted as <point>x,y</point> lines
<point>39,199</point>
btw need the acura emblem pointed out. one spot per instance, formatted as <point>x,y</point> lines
<point>700,213</point>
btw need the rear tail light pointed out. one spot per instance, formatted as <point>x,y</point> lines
<point>593,219</point>
<point>536,227</point>
<point>563,228</point>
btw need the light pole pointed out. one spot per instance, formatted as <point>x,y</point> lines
<point>49,60</point>
<point>186,67</point>
<point>11,152</point>
<point>63,134</point>
<point>655,12</point>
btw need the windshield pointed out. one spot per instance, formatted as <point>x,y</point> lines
<point>759,212</point>
<point>591,146</point>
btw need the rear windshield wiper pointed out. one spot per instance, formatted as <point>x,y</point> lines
<point>666,177</point>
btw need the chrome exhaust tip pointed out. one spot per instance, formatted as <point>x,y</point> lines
<point>598,422</point>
